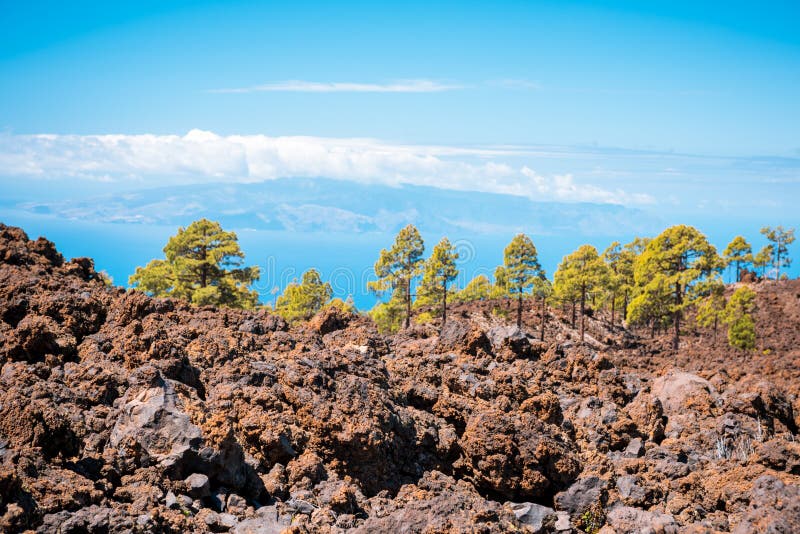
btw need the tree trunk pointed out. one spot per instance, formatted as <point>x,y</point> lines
<point>737,272</point>
<point>408,302</point>
<point>613,309</point>
<point>625,307</point>
<point>544,311</point>
<point>676,339</point>
<point>583,310</point>
<point>444,304</point>
<point>519,310</point>
<point>652,328</point>
<point>204,269</point>
<point>573,314</point>
<point>715,330</point>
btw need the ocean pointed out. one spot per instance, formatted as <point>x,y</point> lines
<point>344,259</point>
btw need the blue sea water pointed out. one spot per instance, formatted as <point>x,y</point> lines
<point>344,259</point>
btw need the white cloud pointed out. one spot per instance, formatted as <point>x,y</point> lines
<point>300,86</point>
<point>398,86</point>
<point>563,187</point>
<point>201,156</point>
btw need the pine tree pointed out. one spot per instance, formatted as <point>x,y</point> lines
<point>781,239</point>
<point>678,258</point>
<point>158,279</point>
<point>203,265</point>
<point>742,333</point>
<point>583,272</point>
<point>638,245</point>
<point>521,265</point>
<point>738,316</point>
<point>651,304</point>
<point>738,253</point>
<point>763,259</point>
<point>617,281</point>
<point>711,309</point>
<point>388,316</point>
<point>302,301</point>
<point>439,270</point>
<point>479,288</point>
<point>543,289</point>
<point>500,287</point>
<point>397,267</point>
<point>625,269</point>
<point>565,290</point>
<point>347,305</point>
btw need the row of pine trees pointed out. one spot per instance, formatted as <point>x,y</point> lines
<point>649,283</point>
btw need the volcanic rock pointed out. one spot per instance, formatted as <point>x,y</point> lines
<point>124,413</point>
<point>536,517</point>
<point>627,520</point>
<point>582,495</point>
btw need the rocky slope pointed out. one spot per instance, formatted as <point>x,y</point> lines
<point>121,413</point>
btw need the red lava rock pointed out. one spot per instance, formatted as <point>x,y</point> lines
<point>774,507</point>
<point>461,336</point>
<point>438,503</point>
<point>110,400</point>
<point>330,320</point>
<point>517,457</point>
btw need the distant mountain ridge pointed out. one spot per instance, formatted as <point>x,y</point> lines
<point>326,205</point>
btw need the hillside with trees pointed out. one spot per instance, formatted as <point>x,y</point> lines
<point>652,282</point>
<point>513,404</point>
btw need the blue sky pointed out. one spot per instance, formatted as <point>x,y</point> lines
<point>709,77</point>
<point>687,110</point>
<point>718,80</point>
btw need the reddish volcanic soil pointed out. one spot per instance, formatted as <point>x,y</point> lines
<point>122,413</point>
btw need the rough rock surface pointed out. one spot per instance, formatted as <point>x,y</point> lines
<point>122,413</point>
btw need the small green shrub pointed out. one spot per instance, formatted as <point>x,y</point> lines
<point>592,520</point>
<point>424,318</point>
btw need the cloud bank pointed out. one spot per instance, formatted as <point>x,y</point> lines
<point>201,156</point>
<point>300,86</point>
<point>399,86</point>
